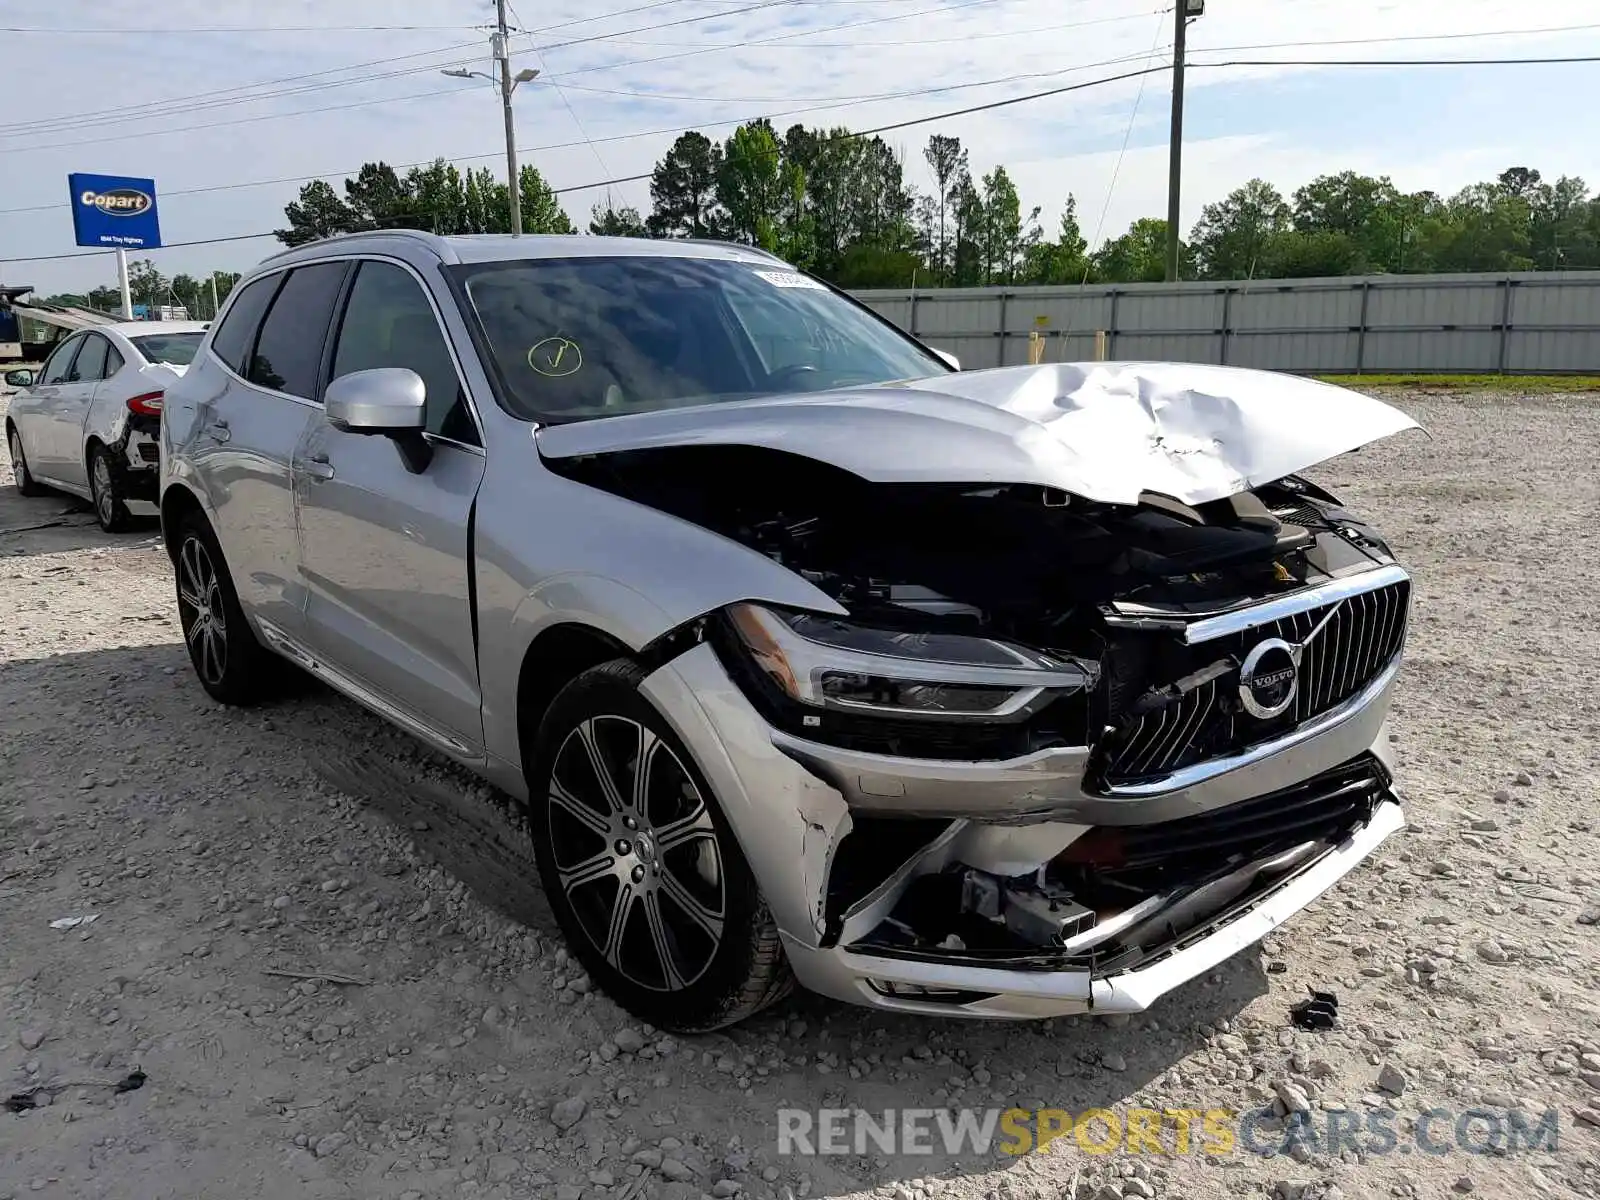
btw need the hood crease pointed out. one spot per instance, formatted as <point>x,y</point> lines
<point>1108,432</point>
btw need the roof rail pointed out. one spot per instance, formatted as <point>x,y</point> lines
<point>432,240</point>
<point>725,242</point>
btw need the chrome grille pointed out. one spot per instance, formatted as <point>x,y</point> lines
<point>1360,635</point>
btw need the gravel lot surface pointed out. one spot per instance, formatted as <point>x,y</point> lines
<point>466,1056</point>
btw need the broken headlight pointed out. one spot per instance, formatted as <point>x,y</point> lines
<point>827,662</point>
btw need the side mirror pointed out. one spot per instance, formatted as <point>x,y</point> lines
<point>951,360</point>
<point>391,401</point>
<point>19,379</point>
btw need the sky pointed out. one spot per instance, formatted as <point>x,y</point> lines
<point>214,94</point>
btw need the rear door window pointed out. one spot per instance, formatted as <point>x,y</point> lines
<point>237,333</point>
<point>91,364</point>
<point>288,354</point>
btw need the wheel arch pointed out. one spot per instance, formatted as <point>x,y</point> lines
<point>177,502</point>
<point>557,655</point>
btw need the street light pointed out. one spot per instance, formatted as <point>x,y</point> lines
<point>508,84</point>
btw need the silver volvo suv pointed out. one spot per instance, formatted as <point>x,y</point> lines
<point>1005,693</point>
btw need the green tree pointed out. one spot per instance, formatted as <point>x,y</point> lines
<point>105,299</point>
<point>683,189</point>
<point>1296,255</point>
<point>610,221</point>
<point>1064,260</point>
<point>750,184</point>
<point>1562,230</point>
<point>187,291</point>
<point>1140,255</point>
<point>318,213</point>
<point>377,198</point>
<point>1002,236</point>
<point>1234,236</point>
<point>541,211</point>
<point>948,161</point>
<point>146,284</point>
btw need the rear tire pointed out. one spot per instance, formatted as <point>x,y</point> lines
<point>26,484</point>
<point>231,664</point>
<point>646,879</point>
<point>109,509</point>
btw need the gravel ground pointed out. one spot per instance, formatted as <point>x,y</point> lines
<point>464,1055</point>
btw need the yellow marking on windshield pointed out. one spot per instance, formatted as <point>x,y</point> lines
<point>555,357</point>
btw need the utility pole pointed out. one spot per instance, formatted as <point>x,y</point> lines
<point>502,53</point>
<point>501,46</point>
<point>213,295</point>
<point>1182,10</point>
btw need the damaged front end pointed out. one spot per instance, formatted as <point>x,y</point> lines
<point>1084,749</point>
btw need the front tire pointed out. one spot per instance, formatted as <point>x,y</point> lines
<point>641,866</point>
<point>26,484</point>
<point>232,665</point>
<point>109,509</point>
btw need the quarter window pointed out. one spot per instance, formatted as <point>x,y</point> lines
<point>55,367</point>
<point>288,354</point>
<point>237,333</point>
<point>91,364</point>
<point>388,322</point>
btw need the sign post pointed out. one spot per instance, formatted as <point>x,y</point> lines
<point>119,212</point>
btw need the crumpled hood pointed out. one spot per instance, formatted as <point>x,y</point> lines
<point>1104,431</point>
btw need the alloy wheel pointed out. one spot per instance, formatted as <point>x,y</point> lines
<point>105,500</point>
<point>19,465</point>
<point>200,611</point>
<point>636,853</point>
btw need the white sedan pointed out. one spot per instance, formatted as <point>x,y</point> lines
<point>87,422</point>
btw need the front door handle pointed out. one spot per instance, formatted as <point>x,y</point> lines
<point>317,466</point>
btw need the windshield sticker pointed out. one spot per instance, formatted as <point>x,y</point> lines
<point>555,357</point>
<point>790,279</point>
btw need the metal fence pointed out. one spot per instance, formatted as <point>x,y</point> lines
<point>1533,323</point>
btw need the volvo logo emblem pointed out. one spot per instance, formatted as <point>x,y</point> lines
<point>1269,678</point>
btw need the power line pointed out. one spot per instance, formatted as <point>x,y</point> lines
<point>1419,37</point>
<point>822,105</point>
<point>897,125</point>
<point>160,107</point>
<point>633,178</point>
<point>899,42</point>
<point>732,12</point>
<point>795,33</point>
<point>299,112</point>
<point>187,29</point>
<point>875,96</point>
<point>1127,136</point>
<point>216,241</point>
<point>1400,62</point>
<point>944,116</point>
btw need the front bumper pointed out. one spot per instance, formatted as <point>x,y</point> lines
<point>792,805</point>
<point>1012,994</point>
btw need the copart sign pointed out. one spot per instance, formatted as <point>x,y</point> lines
<point>114,210</point>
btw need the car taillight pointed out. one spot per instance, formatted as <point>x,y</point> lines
<point>147,405</point>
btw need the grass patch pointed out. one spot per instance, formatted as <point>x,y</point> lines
<point>1472,383</point>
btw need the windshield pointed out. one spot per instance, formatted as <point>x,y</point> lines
<point>579,338</point>
<point>175,348</point>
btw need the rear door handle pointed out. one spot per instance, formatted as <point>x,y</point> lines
<point>317,466</point>
<point>218,431</point>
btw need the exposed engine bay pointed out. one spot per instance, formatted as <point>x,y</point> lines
<point>1014,561</point>
<point>1106,586</point>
